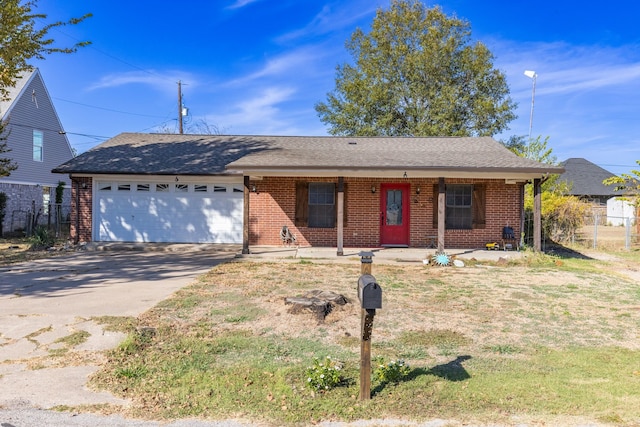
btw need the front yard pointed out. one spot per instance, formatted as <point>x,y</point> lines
<point>543,341</point>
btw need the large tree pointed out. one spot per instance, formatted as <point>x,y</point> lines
<point>24,35</point>
<point>417,73</point>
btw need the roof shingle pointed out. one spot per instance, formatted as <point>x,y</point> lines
<point>131,153</point>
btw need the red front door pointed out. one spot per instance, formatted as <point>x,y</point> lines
<point>394,215</point>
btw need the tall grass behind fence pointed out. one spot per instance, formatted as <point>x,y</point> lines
<point>598,232</point>
<point>608,232</point>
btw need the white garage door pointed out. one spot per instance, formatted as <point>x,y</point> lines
<point>168,212</point>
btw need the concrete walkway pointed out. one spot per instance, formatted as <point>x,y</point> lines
<point>45,301</point>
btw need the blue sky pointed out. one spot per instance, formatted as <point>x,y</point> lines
<point>260,66</point>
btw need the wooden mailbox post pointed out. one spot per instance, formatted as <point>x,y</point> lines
<point>370,296</point>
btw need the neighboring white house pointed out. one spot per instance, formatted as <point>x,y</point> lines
<point>38,143</point>
<point>618,211</point>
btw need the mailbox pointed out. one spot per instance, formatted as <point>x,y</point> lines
<point>369,292</point>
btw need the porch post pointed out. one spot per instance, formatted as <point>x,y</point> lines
<point>340,214</point>
<point>537,215</point>
<point>522,217</point>
<point>441,213</point>
<point>245,219</point>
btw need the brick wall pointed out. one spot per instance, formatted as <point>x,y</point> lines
<point>22,199</point>
<point>81,209</point>
<point>273,205</point>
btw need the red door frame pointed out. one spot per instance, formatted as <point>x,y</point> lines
<point>395,234</point>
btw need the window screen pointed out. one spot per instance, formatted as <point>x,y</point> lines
<point>322,209</point>
<point>458,203</point>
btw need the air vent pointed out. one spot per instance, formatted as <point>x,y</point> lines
<point>353,143</point>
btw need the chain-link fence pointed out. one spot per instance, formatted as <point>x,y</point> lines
<point>608,232</point>
<point>598,231</point>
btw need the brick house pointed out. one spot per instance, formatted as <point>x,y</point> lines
<point>329,191</point>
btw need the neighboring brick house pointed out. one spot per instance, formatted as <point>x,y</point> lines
<point>329,191</point>
<point>38,143</point>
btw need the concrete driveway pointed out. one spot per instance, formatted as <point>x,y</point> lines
<point>49,299</point>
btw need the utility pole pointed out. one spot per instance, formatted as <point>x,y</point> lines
<point>180,106</point>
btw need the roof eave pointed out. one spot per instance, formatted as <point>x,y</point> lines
<point>487,173</point>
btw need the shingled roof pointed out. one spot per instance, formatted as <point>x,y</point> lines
<point>586,179</point>
<point>159,154</point>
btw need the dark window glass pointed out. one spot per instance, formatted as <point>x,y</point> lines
<point>458,203</point>
<point>322,208</point>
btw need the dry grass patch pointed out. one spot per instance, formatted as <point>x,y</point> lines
<point>485,344</point>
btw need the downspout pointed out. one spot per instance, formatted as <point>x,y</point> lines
<point>77,236</point>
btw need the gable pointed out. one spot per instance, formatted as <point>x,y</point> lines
<point>585,178</point>
<point>34,110</point>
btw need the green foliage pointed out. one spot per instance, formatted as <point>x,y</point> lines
<point>562,215</point>
<point>629,183</point>
<point>60,192</point>
<point>25,35</point>
<point>417,73</point>
<point>6,164</point>
<point>3,208</point>
<point>391,372</point>
<point>324,374</point>
<point>534,149</point>
<point>42,238</point>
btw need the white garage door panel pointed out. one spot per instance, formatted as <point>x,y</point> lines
<point>170,217</point>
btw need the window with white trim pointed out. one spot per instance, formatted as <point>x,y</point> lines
<point>38,145</point>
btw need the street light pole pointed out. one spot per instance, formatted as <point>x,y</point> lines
<point>532,75</point>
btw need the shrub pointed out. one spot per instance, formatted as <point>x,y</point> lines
<point>324,375</point>
<point>42,238</point>
<point>392,372</point>
<point>60,192</point>
<point>3,209</point>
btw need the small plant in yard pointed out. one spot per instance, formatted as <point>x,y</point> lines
<point>42,238</point>
<point>324,374</point>
<point>392,372</point>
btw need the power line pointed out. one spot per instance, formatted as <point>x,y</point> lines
<point>58,131</point>
<point>107,109</point>
<point>92,46</point>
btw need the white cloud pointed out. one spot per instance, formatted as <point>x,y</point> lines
<point>585,98</point>
<point>288,64</point>
<point>241,3</point>
<point>260,114</point>
<point>161,82</point>
<point>333,17</point>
